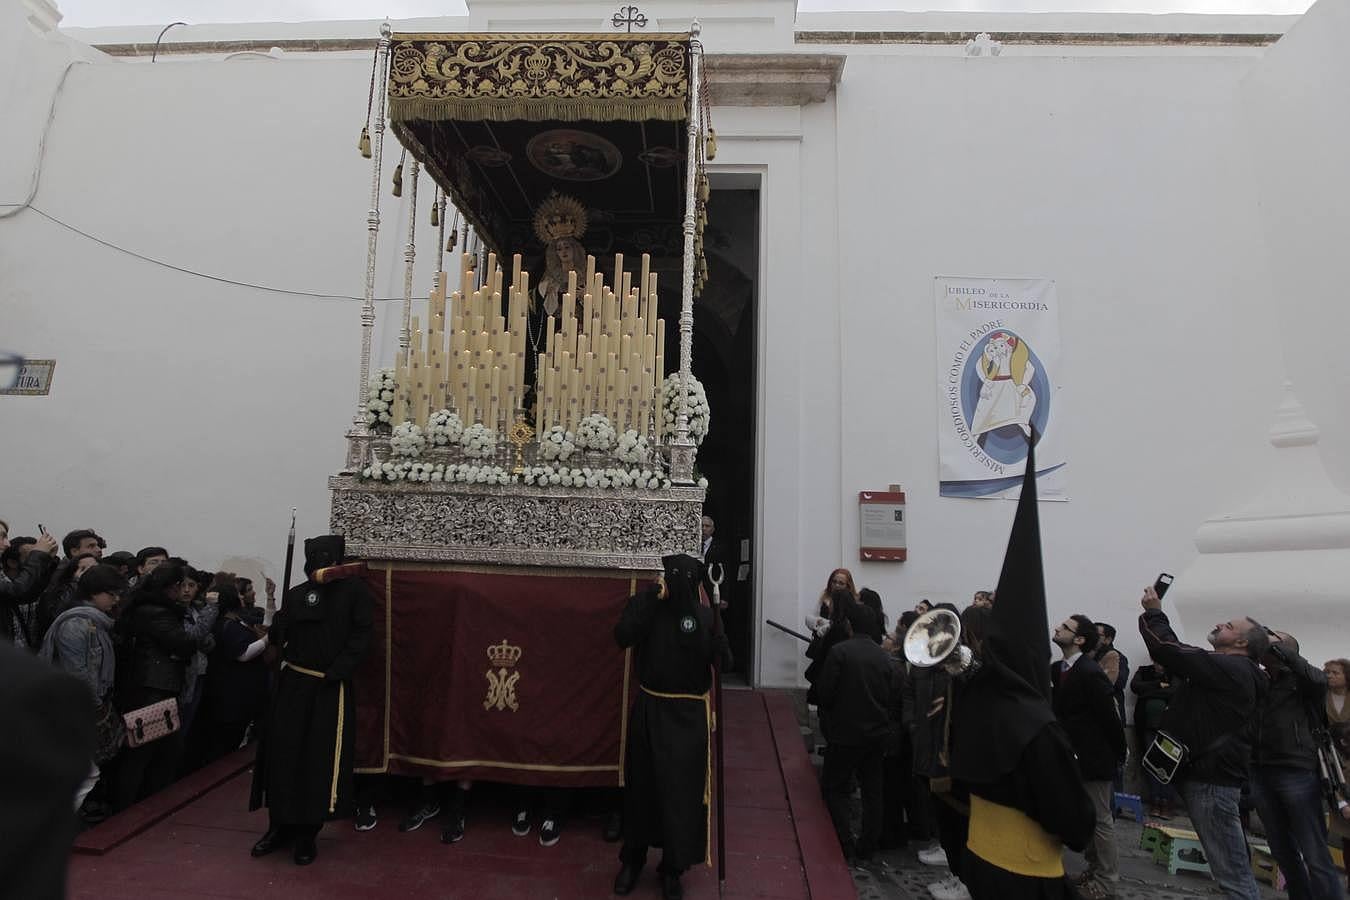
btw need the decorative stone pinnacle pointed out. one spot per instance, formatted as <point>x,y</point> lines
<point>1292,427</point>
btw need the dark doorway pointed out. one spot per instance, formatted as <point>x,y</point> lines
<point>725,360</point>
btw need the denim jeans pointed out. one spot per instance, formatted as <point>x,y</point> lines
<point>1213,809</point>
<point>1290,804</point>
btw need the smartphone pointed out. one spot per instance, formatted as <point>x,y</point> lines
<point>41,528</point>
<point>1162,584</point>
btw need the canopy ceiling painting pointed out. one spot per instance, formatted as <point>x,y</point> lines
<point>503,121</point>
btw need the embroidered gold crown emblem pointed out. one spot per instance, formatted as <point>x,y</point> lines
<point>560,216</point>
<point>503,655</point>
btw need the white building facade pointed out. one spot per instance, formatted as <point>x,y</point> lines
<point>186,238</point>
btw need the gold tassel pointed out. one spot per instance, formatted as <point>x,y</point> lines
<point>364,143</point>
<point>450,242</point>
<point>398,180</point>
<point>712,144</point>
<point>435,215</point>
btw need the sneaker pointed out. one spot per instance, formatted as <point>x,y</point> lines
<point>549,832</point>
<point>365,818</point>
<point>934,856</point>
<point>520,825</point>
<point>950,888</point>
<point>429,810</point>
<point>453,832</point>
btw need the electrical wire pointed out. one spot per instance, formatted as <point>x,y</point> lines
<point>220,279</point>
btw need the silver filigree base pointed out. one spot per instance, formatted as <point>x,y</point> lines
<point>516,524</point>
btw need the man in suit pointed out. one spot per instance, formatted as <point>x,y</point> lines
<point>1083,701</point>
<point>49,725</point>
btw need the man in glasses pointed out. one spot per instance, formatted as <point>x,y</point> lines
<point>1083,702</point>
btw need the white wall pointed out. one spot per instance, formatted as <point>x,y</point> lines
<point>196,413</point>
<point>1295,105</point>
<point>1122,180</point>
<point>186,411</point>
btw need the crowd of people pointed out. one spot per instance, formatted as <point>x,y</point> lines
<point>177,667</point>
<point>138,630</point>
<point>993,769</point>
<point>1262,729</point>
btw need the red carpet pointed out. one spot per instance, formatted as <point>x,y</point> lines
<point>779,842</point>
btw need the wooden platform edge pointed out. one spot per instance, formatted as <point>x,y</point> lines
<point>827,874</point>
<point>132,821</point>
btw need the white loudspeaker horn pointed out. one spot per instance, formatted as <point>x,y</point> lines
<point>935,639</point>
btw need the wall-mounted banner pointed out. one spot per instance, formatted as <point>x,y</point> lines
<point>999,377</point>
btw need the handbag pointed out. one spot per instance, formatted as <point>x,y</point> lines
<point>1167,756</point>
<point>1164,757</point>
<point>150,723</point>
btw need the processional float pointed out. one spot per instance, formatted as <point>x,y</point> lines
<point>530,456</point>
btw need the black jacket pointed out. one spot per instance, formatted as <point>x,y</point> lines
<point>154,652</point>
<point>31,581</point>
<point>927,733</point>
<point>817,651</point>
<point>1214,711</point>
<point>1084,702</point>
<point>1154,689</point>
<point>49,740</point>
<point>859,685</point>
<point>1297,694</point>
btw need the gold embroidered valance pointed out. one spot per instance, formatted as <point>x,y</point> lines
<point>539,77</point>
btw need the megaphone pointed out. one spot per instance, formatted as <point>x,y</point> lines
<point>935,639</point>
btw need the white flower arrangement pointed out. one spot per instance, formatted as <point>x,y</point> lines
<point>565,476</point>
<point>478,441</point>
<point>632,448</point>
<point>467,473</point>
<point>557,444</point>
<point>699,412</point>
<point>444,427</point>
<point>380,401</point>
<point>595,432</point>
<point>408,440</point>
<point>461,473</point>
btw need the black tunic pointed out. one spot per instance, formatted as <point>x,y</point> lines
<point>304,769</point>
<point>667,772</point>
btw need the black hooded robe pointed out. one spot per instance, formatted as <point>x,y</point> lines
<point>304,769</point>
<point>667,762</point>
<point>1027,796</point>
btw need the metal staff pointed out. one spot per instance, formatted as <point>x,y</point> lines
<point>721,725</point>
<point>290,558</point>
<point>786,630</point>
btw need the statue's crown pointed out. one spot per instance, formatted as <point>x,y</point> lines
<point>560,216</point>
<point>503,655</point>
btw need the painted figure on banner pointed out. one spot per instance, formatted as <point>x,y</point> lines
<point>1006,399</point>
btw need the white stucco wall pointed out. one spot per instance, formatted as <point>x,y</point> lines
<point>196,413</point>
<point>1295,103</point>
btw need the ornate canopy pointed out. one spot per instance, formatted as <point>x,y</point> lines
<point>502,121</point>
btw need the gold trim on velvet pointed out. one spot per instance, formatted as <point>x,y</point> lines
<point>388,657</point>
<point>623,698</point>
<point>498,764</point>
<point>539,77</point>
<point>389,568</point>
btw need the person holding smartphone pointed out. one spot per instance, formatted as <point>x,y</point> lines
<point>1212,716</point>
<point>34,571</point>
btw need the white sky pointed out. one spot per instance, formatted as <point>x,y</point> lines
<point>88,13</point>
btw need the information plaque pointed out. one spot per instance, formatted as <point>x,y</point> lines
<point>881,526</point>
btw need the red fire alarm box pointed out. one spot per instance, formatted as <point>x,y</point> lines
<point>881,526</point>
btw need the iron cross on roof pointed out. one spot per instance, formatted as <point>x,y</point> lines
<point>629,16</point>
